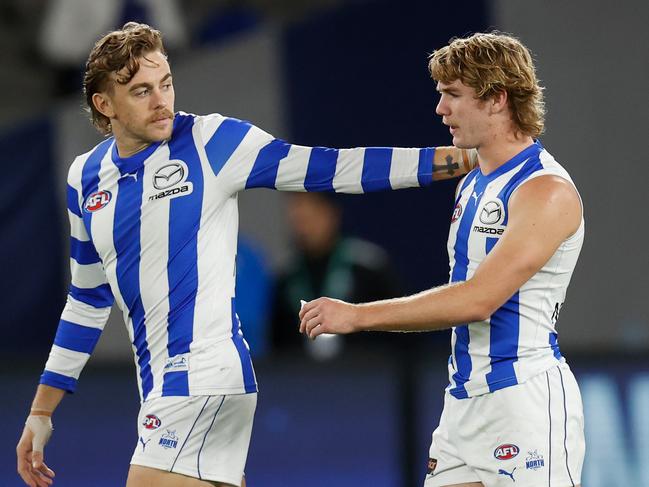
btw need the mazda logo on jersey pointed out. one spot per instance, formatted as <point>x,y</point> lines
<point>169,175</point>
<point>170,181</point>
<point>96,201</point>
<point>492,212</point>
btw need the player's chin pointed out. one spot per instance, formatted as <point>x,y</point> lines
<point>461,144</point>
<point>158,134</point>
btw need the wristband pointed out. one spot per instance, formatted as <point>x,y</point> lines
<point>40,412</point>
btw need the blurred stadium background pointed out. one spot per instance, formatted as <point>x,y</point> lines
<point>335,73</point>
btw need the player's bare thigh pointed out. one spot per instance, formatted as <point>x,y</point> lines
<point>139,476</point>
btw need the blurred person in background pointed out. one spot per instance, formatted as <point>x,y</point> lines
<point>326,263</point>
<point>69,26</point>
<point>154,220</point>
<point>512,411</point>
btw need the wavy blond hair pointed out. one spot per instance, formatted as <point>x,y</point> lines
<point>114,52</point>
<point>490,63</point>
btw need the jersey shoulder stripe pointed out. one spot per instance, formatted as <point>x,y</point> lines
<point>266,165</point>
<point>225,140</point>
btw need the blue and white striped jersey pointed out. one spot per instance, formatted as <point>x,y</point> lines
<point>157,233</point>
<point>519,340</point>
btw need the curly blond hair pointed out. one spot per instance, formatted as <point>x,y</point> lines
<point>491,63</point>
<point>116,51</point>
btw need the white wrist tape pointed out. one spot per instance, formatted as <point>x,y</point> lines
<point>41,427</point>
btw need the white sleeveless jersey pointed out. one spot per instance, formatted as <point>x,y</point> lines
<point>519,340</point>
<point>157,234</point>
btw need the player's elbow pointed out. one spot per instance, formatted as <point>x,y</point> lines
<point>481,306</point>
<point>486,296</point>
<point>479,312</point>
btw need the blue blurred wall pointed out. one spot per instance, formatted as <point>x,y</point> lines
<point>31,257</point>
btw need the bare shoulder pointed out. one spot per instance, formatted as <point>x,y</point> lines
<point>548,199</point>
<point>549,187</point>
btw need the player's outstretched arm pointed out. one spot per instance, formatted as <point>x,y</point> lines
<point>38,429</point>
<point>243,156</point>
<point>543,213</point>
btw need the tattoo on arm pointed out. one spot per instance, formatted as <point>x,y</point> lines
<point>450,167</point>
<point>450,162</point>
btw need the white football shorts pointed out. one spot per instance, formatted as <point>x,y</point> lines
<point>206,437</point>
<point>530,434</point>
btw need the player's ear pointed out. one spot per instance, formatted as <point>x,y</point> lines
<point>103,104</point>
<point>498,101</point>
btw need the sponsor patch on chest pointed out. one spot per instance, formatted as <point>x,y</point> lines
<point>170,181</point>
<point>491,217</point>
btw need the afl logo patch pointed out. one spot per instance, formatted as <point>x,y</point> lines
<point>457,213</point>
<point>151,422</point>
<point>492,213</point>
<point>506,451</point>
<point>96,201</point>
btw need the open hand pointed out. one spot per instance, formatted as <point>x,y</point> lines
<point>29,451</point>
<point>326,315</point>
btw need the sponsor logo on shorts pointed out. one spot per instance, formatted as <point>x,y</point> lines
<point>457,213</point>
<point>432,464</point>
<point>151,422</point>
<point>169,440</point>
<point>96,201</point>
<point>506,451</point>
<point>534,460</point>
<point>509,474</point>
<point>144,442</point>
